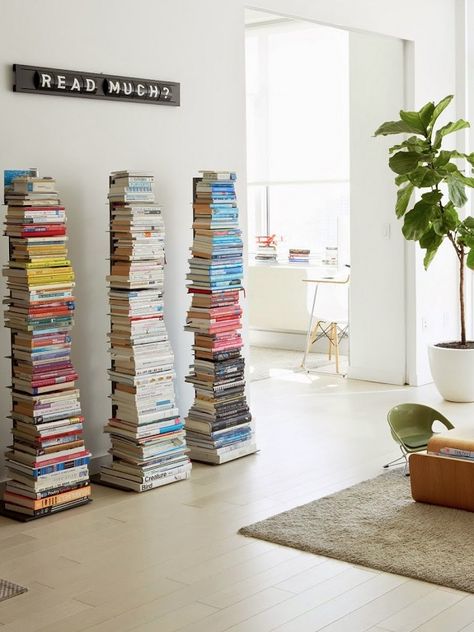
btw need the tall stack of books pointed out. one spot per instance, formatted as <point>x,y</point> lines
<point>147,434</point>
<point>47,461</point>
<point>219,423</point>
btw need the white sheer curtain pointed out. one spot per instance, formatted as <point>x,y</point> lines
<point>298,134</point>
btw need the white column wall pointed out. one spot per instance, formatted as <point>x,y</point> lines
<point>377,297</point>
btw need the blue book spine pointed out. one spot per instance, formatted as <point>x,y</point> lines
<point>58,467</point>
<point>174,428</point>
<point>224,277</point>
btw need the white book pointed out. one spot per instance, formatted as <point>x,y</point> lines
<point>143,487</point>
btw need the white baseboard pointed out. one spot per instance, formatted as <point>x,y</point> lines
<point>382,377</point>
<point>291,340</point>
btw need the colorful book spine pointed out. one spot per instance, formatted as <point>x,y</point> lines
<point>47,457</point>
<point>148,445</point>
<point>219,425</point>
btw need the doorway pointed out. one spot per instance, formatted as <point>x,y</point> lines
<point>316,209</point>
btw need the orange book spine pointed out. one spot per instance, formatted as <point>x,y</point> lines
<point>50,501</point>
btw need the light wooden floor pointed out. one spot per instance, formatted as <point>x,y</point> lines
<point>171,559</point>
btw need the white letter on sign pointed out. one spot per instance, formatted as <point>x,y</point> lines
<point>76,85</point>
<point>113,86</point>
<point>127,87</point>
<point>61,82</point>
<point>90,85</point>
<point>153,91</point>
<point>140,89</point>
<point>45,80</point>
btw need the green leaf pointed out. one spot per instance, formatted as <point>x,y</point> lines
<point>439,108</point>
<point>426,114</point>
<point>395,127</point>
<point>417,221</point>
<point>403,198</point>
<point>466,232</point>
<point>432,197</point>
<point>449,129</point>
<point>470,259</point>
<point>445,220</point>
<point>443,158</point>
<point>456,190</point>
<point>423,177</point>
<point>464,179</point>
<point>431,242</point>
<point>465,239</point>
<point>429,238</point>
<point>413,119</point>
<point>412,144</point>
<point>401,180</point>
<point>404,162</point>
<point>450,217</point>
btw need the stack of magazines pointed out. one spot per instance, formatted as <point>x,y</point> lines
<point>47,461</point>
<point>147,434</point>
<point>219,424</point>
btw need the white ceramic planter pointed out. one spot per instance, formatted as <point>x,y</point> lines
<point>453,372</point>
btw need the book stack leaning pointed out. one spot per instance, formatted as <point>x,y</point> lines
<point>147,434</point>
<point>48,461</point>
<point>219,424</point>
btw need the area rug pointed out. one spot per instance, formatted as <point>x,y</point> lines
<point>8,589</point>
<point>377,524</point>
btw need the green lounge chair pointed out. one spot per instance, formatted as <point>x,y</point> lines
<point>411,426</point>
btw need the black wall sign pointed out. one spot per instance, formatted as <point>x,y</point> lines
<point>35,80</point>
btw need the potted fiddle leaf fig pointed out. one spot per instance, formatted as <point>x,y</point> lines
<point>435,174</point>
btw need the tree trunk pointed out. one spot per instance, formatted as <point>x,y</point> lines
<point>461,296</point>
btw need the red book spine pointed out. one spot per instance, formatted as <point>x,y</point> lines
<point>57,380</point>
<point>61,435</point>
<point>43,208</point>
<point>148,317</point>
<point>54,310</point>
<point>57,340</point>
<point>62,459</point>
<point>42,233</point>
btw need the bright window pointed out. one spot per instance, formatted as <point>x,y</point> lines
<point>298,136</point>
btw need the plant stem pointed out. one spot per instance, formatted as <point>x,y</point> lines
<point>459,250</point>
<point>461,295</point>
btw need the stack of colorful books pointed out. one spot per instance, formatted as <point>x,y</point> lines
<point>266,248</point>
<point>298,255</point>
<point>219,424</point>
<point>48,461</point>
<point>147,434</point>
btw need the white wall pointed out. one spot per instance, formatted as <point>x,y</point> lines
<point>200,44</point>
<point>80,141</point>
<point>377,299</point>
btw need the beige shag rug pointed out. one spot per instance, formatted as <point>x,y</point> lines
<point>378,525</point>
